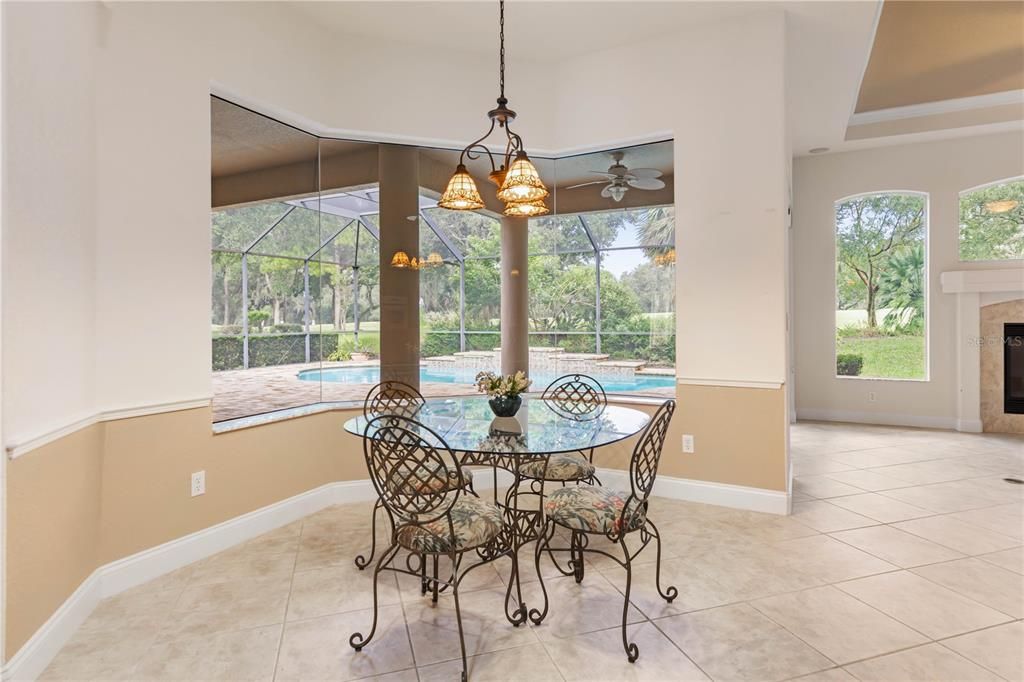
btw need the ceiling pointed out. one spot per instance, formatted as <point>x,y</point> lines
<point>934,51</point>
<point>541,31</point>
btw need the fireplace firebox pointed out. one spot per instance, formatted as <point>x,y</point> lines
<point>1013,368</point>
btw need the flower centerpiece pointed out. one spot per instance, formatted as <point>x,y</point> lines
<point>504,391</point>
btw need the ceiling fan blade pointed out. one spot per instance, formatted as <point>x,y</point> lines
<point>644,172</point>
<point>585,184</point>
<point>646,183</point>
<point>604,173</point>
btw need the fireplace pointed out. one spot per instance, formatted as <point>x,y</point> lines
<point>1013,368</point>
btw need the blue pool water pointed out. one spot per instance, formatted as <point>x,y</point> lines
<point>371,376</point>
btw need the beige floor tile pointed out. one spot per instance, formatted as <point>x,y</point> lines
<point>108,654</point>
<point>897,546</point>
<point>575,608</point>
<point>831,675</point>
<point>1010,559</point>
<point>826,517</point>
<point>739,643</point>
<point>822,486</point>
<point>827,560</point>
<point>337,589</point>
<point>174,580</point>
<point>935,471</point>
<point>837,625</point>
<point>998,649</point>
<point>867,480</point>
<point>943,498</point>
<point>872,458</point>
<point>923,605</point>
<point>819,465</point>
<point>601,656</point>
<point>318,649</point>
<point>231,568</point>
<point>958,535</point>
<point>132,610</point>
<point>434,630</point>
<point>400,676</point>
<point>932,662</point>
<point>880,507</point>
<point>1006,519</point>
<point>218,607</point>
<point>238,655</point>
<point>530,662</point>
<point>981,581</point>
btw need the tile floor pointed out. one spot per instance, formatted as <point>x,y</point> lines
<point>902,561</point>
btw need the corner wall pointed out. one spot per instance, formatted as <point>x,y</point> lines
<point>942,169</point>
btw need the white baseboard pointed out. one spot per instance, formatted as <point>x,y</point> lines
<point>880,418</point>
<point>707,492</point>
<point>118,576</point>
<point>969,425</point>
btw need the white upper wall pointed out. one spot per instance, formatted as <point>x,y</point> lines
<point>942,169</point>
<point>49,165</point>
<point>720,91</point>
<point>145,320</point>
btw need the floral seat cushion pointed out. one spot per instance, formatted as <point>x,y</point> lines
<point>564,466</point>
<point>424,479</point>
<point>594,509</point>
<point>475,521</point>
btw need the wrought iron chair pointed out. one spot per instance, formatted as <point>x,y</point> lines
<point>390,398</point>
<point>578,397</point>
<point>417,478</point>
<point>597,510</point>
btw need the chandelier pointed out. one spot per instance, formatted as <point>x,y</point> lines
<point>519,184</point>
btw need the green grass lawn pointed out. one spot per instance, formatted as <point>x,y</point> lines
<point>888,357</point>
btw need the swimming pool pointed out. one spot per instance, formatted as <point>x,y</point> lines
<point>371,376</point>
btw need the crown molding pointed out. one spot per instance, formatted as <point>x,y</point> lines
<point>941,107</point>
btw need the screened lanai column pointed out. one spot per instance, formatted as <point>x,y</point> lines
<point>515,338</point>
<point>399,288</point>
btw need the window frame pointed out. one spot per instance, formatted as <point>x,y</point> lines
<point>926,286</point>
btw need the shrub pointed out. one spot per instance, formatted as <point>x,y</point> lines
<point>227,352</point>
<point>849,364</point>
<point>347,345</point>
<point>286,328</point>
<point>438,343</point>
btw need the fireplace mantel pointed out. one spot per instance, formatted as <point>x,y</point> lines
<point>974,289</point>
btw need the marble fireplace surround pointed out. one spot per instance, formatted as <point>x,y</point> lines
<point>975,289</point>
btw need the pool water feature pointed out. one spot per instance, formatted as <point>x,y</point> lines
<point>370,376</point>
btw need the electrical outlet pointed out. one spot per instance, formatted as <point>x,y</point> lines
<point>198,483</point>
<point>687,443</point>
<point>871,396</point>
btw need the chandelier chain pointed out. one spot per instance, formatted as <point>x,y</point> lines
<point>501,39</point>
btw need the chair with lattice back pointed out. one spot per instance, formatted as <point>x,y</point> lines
<point>587,510</point>
<point>417,478</point>
<point>580,398</point>
<point>399,399</point>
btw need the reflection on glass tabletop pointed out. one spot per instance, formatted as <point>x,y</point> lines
<point>467,425</point>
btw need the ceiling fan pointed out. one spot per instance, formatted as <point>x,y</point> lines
<point>620,179</point>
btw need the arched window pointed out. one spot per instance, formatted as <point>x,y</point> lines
<point>992,221</point>
<point>881,286</point>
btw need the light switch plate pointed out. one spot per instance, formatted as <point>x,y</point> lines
<point>687,443</point>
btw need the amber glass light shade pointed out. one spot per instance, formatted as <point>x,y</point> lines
<point>461,193</point>
<point>1003,206</point>
<point>522,182</point>
<point>434,260</point>
<point>525,209</point>
<point>400,260</point>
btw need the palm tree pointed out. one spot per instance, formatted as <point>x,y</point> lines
<point>656,229</point>
<point>901,289</point>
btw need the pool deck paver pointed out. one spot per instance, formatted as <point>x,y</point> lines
<point>245,392</point>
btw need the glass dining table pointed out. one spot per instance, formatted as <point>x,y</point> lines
<point>469,428</point>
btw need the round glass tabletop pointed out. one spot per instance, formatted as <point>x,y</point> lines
<point>467,425</point>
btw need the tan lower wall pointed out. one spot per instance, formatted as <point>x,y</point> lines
<point>120,487</point>
<point>739,437</point>
<point>53,529</point>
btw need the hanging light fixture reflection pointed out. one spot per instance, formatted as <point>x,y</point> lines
<point>519,184</point>
<point>665,259</point>
<point>1004,206</point>
<point>402,261</point>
